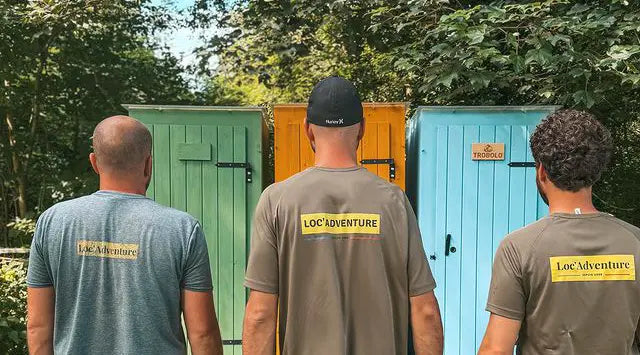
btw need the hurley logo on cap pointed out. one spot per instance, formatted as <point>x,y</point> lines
<point>334,102</point>
<point>334,122</point>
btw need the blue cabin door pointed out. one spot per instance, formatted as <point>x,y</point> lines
<point>465,207</point>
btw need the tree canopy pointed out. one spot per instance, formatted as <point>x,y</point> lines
<point>577,54</point>
<point>64,65</point>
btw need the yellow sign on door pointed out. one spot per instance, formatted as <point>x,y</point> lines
<point>487,151</point>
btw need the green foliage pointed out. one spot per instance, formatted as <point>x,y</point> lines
<point>435,52</point>
<point>13,310</point>
<point>21,231</point>
<point>66,65</point>
<point>556,52</point>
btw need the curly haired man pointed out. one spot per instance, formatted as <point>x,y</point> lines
<point>567,284</point>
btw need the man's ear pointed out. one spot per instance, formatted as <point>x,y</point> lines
<point>309,131</point>
<point>148,166</point>
<point>361,133</point>
<point>541,172</point>
<point>94,163</point>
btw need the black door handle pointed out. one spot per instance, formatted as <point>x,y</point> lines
<point>447,246</point>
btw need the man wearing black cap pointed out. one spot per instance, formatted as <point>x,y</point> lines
<point>339,249</point>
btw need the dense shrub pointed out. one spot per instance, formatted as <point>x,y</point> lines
<point>13,306</point>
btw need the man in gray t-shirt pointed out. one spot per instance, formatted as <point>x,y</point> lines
<point>112,272</point>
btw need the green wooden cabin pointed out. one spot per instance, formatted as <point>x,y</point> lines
<point>208,161</point>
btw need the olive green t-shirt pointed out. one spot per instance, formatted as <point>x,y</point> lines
<point>571,280</point>
<point>342,249</point>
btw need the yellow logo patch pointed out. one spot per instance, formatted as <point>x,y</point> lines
<point>340,223</point>
<point>107,250</point>
<point>592,268</point>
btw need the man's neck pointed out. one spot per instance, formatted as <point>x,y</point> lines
<point>572,202</point>
<point>335,159</point>
<point>122,185</point>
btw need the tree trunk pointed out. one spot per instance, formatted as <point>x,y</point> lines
<point>16,169</point>
<point>5,213</point>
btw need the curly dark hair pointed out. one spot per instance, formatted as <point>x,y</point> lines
<point>573,147</point>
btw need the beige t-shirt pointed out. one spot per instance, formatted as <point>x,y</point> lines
<point>571,280</point>
<point>342,249</point>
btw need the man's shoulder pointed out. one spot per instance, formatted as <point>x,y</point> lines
<point>630,228</point>
<point>366,178</point>
<point>147,211</point>
<point>68,206</point>
<point>524,237</point>
<point>368,182</point>
<point>169,217</point>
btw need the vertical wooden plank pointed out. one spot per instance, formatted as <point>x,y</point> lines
<point>293,149</point>
<point>384,149</point>
<point>440,217</point>
<point>194,176</point>
<point>541,207</point>
<point>178,171</point>
<point>426,147</point>
<point>396,117</point>
<point>370,147</point>
<point>501,189</point>
<point>468,245</point>
<point>210,208</point>
<point>485,235</point>
<point>531,192</point>
<point>239,233</point>
<point>225,235</point>
<point>151,188</point>
<point>454,224</point>
<point>307,157</point>
<point>162,165</point>
<point>517,183</point>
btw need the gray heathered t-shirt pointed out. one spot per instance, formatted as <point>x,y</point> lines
<point>118,263</point>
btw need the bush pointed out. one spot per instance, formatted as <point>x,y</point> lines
<point>13,306</point>
<point>21,232</point>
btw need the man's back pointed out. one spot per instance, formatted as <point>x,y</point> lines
<point>342,250</point>
<point>571,278</point>
<point>117,263</point>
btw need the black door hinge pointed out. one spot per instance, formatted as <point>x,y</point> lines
<point>232,342</point>
<point>391,162</point>
<point>522,164</point>
<point>246,166</point>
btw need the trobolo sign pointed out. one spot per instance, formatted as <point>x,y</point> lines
<point>487,151</point>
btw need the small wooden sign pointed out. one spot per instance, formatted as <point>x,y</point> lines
<point>487,151</point>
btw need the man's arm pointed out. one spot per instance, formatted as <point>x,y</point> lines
<point>638,334</point>
<point>259,333</point>
<point>426,324</point>
<point>501,336</point>
<point>40,316</point>
<point>200,319</point>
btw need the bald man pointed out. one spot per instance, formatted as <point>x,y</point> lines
<point>112,272</point>
<point>339,249</point>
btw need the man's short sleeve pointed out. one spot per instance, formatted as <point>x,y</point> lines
<point>262,269</point>
<point>197,272</point>
<point>38,273</point>
<point>506,293</point>
<point>420,278</point>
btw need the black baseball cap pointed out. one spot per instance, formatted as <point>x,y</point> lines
<point>334,102</point>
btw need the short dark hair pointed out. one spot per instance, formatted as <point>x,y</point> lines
<point>573,147</point>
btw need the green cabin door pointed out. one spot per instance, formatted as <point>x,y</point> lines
<point>199,168</point>
<point>186,178</point>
